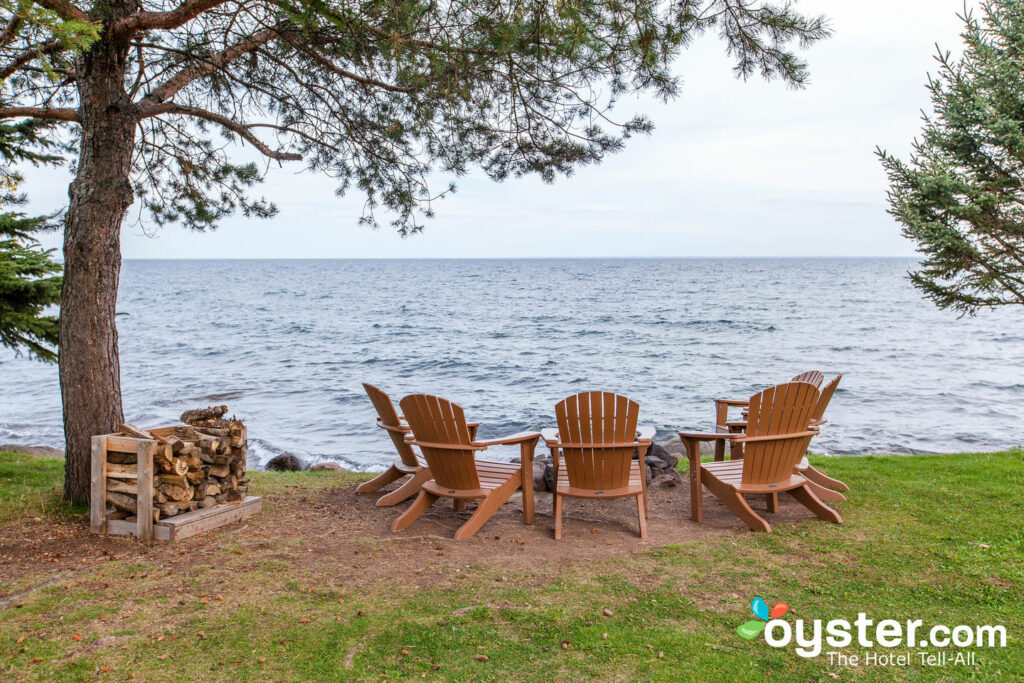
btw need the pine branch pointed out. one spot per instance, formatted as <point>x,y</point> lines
<point>241,130</point>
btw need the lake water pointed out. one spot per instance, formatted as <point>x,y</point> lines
<point>286,345</point>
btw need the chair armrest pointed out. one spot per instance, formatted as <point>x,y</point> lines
<point>708,436</point>
<point>550,435</point>
<point>402,429</point>
<point>733,402</point>
<point>512,439</point>
<point>646,433</point>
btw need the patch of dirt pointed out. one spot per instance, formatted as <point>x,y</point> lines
<point>338,536</point>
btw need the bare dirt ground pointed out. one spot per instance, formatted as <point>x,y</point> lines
<point>335,535</point>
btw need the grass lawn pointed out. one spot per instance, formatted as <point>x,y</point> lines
<point>936,538</point>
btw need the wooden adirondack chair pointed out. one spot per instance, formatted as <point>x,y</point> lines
<point>722,405</point>
<point>443,436</point>
<point>597,435</point>
<point>824,486</point>
<point>776,437</point>
<point>407,463</point>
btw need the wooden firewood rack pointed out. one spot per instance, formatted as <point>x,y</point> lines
<point>145,528</point>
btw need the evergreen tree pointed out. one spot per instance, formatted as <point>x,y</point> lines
<point>960,196</point>
<point>379,94</point>
<point>29,278</point>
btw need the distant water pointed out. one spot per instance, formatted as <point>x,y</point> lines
<point>286,345</point>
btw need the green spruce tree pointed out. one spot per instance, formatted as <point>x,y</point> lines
<point>960,195</point>
<point>29,278</point>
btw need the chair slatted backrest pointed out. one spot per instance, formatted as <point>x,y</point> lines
<point>435,420</point>
<point>589,421</point>
<point>819,409</point>
<point>818,413</point>
<point>389,418</point>
<point>815,377</point>
<point>777,411</point>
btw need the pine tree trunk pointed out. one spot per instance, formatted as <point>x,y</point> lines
<point>90,376</point>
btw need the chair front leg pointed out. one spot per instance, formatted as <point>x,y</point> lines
<point>526,450</point>
<point>643,474</point>
<point>696,502</point>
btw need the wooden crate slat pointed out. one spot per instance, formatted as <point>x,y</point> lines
<point>119,527</point>
<point>98,486</point>
<point>200,521</point>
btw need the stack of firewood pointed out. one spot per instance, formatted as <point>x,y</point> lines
<point>200,465</point>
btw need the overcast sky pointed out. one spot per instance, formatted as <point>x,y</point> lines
<point>731,169</point>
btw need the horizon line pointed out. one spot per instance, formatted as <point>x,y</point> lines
<point>516,258</point>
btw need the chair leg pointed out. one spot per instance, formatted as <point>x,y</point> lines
<point>459,504</point>
<point>814,504</point>
<point>696,501</point>
<point>772,502</point>
<point>415,511</point>
<point>406,490</point>
<point>487,507</point>
<point>381,480</point>
<point>734,500</point>
<point>822,479</point>
<point>823,493</point>
<point>641,514</point>
<point>556,512</point>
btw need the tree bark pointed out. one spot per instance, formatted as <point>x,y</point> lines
<point>90,376</point>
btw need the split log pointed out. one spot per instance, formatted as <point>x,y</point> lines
<point>214,431</point>
<point>119,486</point>
<point>169,509</point>
<point>219,471</point>
<point>174,480</point>
<point>136,433</point>
<point>200,414</point>
<point>128,504</point>
<point>185,433</point>
<point>176,493</point>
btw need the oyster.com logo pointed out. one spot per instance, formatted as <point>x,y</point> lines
<point>759,607</point>
<point>885,642</point>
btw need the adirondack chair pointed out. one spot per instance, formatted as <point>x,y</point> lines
<point>776,437</point>
<point>824,486</point>
<point>440,431</point>
<point>407,463</point>
<point>597,436</point>
<point>722,405</point>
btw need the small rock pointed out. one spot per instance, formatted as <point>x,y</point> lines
<point>655,463</point>
<point>285,462</point>
<point>539,482</point>
<point>549,477</point>
<point>607,612</point>
<point>332,466</point>
<point>481,658</point>
<point>660,453</point>
<point>667,478</point>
